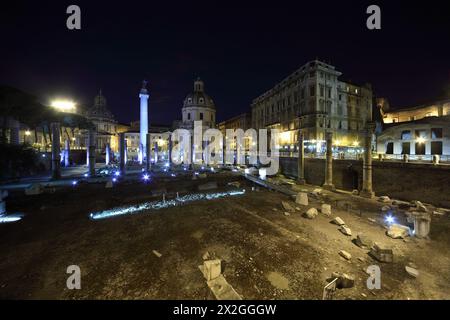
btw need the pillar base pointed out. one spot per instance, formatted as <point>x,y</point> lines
<point>367,194</point>
<point>329,187</point>
<point>301,181</point>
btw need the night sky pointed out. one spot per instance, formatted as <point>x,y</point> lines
<point>239,49</point>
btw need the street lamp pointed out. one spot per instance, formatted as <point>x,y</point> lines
<point>63,105</point>
<point>420,140</point>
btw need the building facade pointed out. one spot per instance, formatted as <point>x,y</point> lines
<point>106,126</point>
<point>419,132</point>
<point>435,109</point>
<point>314,99</point>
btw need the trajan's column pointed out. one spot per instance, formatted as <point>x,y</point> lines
<point>143,95</point>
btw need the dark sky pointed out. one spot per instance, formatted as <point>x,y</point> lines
<point>240,49</point>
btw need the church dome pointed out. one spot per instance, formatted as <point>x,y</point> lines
<point>99,109</point>
<point>198,98</point>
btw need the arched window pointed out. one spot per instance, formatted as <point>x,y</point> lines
<point>189,116</point>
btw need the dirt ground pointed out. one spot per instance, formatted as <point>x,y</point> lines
<point>265,254</point>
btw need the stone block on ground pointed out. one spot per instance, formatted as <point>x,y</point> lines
<point>108,184</point>
<point>301,198</point>
<point>363,241</point>
<point>344,280</point>
<point>385,208</point>
<point>384,199</point>
<point>208,186</point>
<point>222,290</point>
<point>34,189</point>
<point>235,184</point>
<point>287,206</point>
<point>355,192</point>
<point>326,209</point>
<point>345,230</point>
<point>382,253</point>
<point>345,254</point>
<point>311,213</point>
<point>397,231</point>
<point>419,206</point>
<point>413,272</point>
<point>338,221</point>
<point>211,269</point>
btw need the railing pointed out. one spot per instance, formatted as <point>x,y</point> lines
<point>426,159</point>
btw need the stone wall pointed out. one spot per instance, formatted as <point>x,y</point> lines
<point>404,181</point>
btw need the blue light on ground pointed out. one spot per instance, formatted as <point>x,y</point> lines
<point>389,219</point>
<point>10,218</point>
<point>162,204</point>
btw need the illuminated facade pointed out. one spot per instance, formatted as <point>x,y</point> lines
<point>107,128</point>
<point>420,131</point>
<point>436,109</point>
<point>313,99</point>
<point>198,106</point>
<point>242,121</point>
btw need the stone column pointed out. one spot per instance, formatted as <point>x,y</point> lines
<point>3,194</point>
<point>148,154</point>
<point>91,153</point>
<point>56,157</point>
<point>67,153</point>
<point>224,145</point>
<point>107,154</point>
<point>192,151</point>
<point>156,152</point>
<point>422,223</point>
<point>170,149</point>
<point>329,162</point>
<point>301,159</point>
<point>125,158</point>
<point>367,191</point>
<point>122,147</point>
<point>14,130</point>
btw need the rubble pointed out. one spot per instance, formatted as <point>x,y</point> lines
<point>345,254</point>
<point>326,209</point>
<point>344,280</point>
<point>311,213</point>
<point>287,213</point>
<point>397,231</point>
<point>338,221</point>
<point>355,192</point>
<point>156,253</point>
<point>235,184</point>
<point>419,206</point>
<point>287,206</point>
<point>384,199</point>
<point>211,269</point>
<point>302,198</point>
<point>317,192</point>
<point>208,186</point>
<point>345,230</point>
<point>385,208</point>
<point>222,290</point>
<point>412,271</point>
<point>381,253</point>
<point>202,176</point>
<point>363,241</point>
<point>34,189</point>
